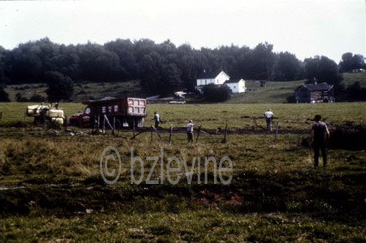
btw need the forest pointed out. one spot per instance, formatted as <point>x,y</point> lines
<point>162,67</point>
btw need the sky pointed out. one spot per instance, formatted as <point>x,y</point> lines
<point>305,28</point>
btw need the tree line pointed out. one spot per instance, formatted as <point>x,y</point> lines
<point>161,67</point>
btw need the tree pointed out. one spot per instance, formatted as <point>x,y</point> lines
<point>323,69</point>
<point>216,93</point>
<point>60,87</point>
<point>127,61</point>
<point>170,79</point>
<point>150,71</point>
<point>97,63</point>
<point>350,62</point>
<point>4,97</point>
<point>287,67</point>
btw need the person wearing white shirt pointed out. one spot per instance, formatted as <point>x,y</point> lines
<point>268,115</point>
<point>156,119</point>
<point>190,126</point>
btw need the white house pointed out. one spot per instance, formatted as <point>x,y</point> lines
<point>210,78</point>
<point>236,85</point>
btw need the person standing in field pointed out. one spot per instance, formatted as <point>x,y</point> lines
<point>156,119</point>
<point>319,135</point>
<point>268,115</point>
<point>190,126</point>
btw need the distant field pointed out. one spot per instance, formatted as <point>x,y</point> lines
<point>83,91</point>
<point>273,92</point>
<point>351,78</point>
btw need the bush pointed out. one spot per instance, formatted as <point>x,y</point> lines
<point>37,98</point>
<point>356,92</point>
<point>291,99</point>
<point>4,97</point>
<point>216,93</point>
<point>60,87</point>
<point>349,136</point>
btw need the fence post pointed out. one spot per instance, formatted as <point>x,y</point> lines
<point>225,140</point>
<point>103,131</point>
<point>65,123</point>
<point>198,133</point>
<point>276,131</point>
<point>152,130</point>
<point>170,135</point>
<point>98,124</point>
<point>114,125</point>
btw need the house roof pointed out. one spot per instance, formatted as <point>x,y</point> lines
<point>316,87</point>
<point>208,75</point>
<point>233,81</point>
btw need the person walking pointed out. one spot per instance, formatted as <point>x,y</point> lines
<point>319,135</point>
<point>190,126</point>
<point>156,119</point>
<point>268,115</point>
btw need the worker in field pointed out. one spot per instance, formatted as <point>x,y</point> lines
<point>269,116</point>
<point>319,136</point>
<point>190,126</point>
<point>156,119</point>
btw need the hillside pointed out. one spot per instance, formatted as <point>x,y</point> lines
<point>350,78</point>
<point>273,92</point>
<point>83,91</point>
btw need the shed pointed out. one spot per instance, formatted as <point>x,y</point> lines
<point>236,85</point>
<point>314,93</point>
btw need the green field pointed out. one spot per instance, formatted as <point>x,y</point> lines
<point>273,92</point>
<point>212,116</point>
<point>52,188</point>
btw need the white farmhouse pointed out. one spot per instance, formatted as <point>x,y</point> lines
<point>212,78</point>
<point>236,85</point>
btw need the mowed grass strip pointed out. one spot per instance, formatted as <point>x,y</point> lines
<point>249,116</point>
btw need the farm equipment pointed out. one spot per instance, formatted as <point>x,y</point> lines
<point>116,112</point>
<point>46,114</point>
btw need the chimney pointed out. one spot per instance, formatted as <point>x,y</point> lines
<point>315,81</point>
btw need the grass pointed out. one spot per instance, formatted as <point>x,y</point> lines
<point>351,78</point>
<point>56,193</point>
<point>248,116</point>
<point>273,92</point>
<point>203,225</point>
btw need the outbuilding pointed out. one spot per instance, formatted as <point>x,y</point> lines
<point>236,85</point>
<point>314,93</point>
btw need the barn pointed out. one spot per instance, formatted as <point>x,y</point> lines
<point>314,93</point>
